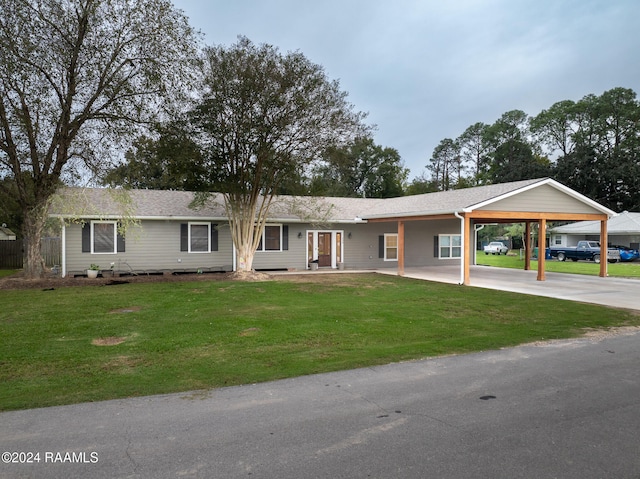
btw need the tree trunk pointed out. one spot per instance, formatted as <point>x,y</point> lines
<point>32,228</point>
<point>244,256</point>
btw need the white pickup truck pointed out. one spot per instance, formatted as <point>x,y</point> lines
<point>496,247</point>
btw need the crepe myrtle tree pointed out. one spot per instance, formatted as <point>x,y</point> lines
<point>265,117</point>
<point>77,78</point>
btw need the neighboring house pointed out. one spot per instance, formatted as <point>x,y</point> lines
<point>6,234</point>
<point>623,230</point>
<point>357,233</point>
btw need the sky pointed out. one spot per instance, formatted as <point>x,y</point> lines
<point>425,70</point>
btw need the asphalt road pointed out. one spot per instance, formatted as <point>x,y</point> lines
<point>566,410</point>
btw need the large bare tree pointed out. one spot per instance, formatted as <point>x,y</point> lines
<point>265,116</point>
<point>77,77</point>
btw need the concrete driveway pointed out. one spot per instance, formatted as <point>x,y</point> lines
<point>615,292</point>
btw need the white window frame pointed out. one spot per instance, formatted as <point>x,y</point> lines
<point>199,223</point>
<point>450,247</point>
<point>387,247</point>
<point>261,246</point>
<point>115,237</point>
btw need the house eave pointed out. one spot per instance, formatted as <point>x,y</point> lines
<point>200,218</point>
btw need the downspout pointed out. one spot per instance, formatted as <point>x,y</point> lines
<point>234,265</point>
<point>462,247</point>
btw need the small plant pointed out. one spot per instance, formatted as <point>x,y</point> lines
<point>94,267</point>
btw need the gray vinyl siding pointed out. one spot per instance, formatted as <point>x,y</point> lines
<point>419,242</point>
<point>544,198</point>
<point>292,259</point>
<point>361,250</point>
<point>152,246</point>
<point>155,246</point>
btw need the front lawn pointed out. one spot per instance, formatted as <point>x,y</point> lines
<point>7,272</point>
<point>93,343</point>
<point>513,260</point>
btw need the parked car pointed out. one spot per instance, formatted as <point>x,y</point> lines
<point>586,250</point>
<point>495,247</point>
<point>626,253</point>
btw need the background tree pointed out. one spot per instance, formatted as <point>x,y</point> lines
<point>555,127</point>
<point>10,211</point>
<point>445,164</point>
<point>264,118</point>
<point>170,161</point>
<point>474,149</point>
<point>512,153</point>
<point>598,142</point>
<point>76,77</point>
<point>421,184</point>
<point>360,169</point>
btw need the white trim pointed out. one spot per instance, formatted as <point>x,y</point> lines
<point>451,246</point>
<point>199,223</point>
<point>263,242</point>
<point>63,240</point>
<point>201,218</point>
<point>314,246</point>
<point>115,236</point>
<point>389,235</point>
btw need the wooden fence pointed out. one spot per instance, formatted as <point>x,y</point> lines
<point>11,253</point>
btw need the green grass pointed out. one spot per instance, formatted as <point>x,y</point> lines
<point>7,272</point>
<point>621,270</point>
<point>199,335</point>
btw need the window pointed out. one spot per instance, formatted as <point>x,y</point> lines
<point>198,237</point>
<point>391,247</point>
<point>199,234</point>
<point>450,246</point>
<point>558,239</point>
<point>101,237</point>
<point>271,238</point>
<point>104,236</point>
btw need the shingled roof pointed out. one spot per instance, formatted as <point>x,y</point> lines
<point>163,204</point>
<point>625,223</point>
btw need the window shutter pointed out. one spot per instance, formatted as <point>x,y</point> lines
<point>381,246</point>
<point>285,237</point>
<point>121,247</point>
<point>86,238</point>
<point>184,237</point>
<point>436,247</point>
<point>214,237</point>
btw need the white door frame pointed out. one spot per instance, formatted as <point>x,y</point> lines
<point>334,248</point>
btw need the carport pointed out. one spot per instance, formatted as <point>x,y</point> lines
<point>530,202</point>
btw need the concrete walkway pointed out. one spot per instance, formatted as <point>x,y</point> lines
<point>615,292</point>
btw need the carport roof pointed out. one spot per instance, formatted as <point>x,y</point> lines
<point>470,199</point>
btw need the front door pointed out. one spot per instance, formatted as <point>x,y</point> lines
<point>324,249</point>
